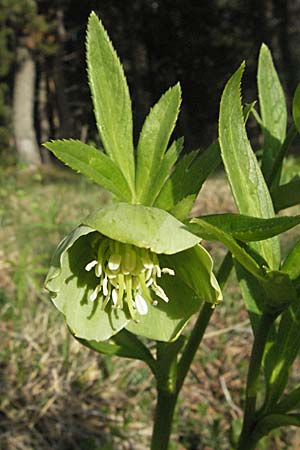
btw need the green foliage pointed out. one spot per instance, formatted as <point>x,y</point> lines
<point>272,108</point>
<point>247,228</point>
<point>153,142</point>
<point>111,99</point>
<point>296,108</point>
<point>188,177</point>
<point>92,163</point>
<point>246,180</point>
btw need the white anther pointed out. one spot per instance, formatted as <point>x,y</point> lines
<point>168,271</point>
<point>114,296</point>
<point>114,262</point>
<point>95,292</point>
<point>98,270</point>
<point>90,265</point>
<point>141,304</point>
<point>104,286</point>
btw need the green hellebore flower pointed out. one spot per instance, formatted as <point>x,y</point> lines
<point>134,267</point>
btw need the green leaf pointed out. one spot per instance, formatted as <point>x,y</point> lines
<point>71,285</point>
<point>287,194</point>
<point>296,108</point>
<point>142,226</point>
<point>282,354</point>
<point>246,180</point>
<point>188,176</point>
<point>153,142</point>
<point>183,208</point>
<point>247,229</point>
<point>272,421</point>
<point>92,163</point>
<point>212,232</point>
<point>272,107</point>
<point>111,99</point>
<point>291,264</point>
<point>249,108</point>
<point>289,402</point>
<point>252,292</point>
<point>164,171</point>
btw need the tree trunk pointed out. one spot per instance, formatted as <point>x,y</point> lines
<point>23,109</point>
<point>59,78</point>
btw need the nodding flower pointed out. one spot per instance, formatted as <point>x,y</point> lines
<point>127,274</point>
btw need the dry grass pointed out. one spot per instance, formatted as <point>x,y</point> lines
<point>55,394</point>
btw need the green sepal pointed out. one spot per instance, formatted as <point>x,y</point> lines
<point>195,268</point>
<point>142,226</point>
<point>272,108</point>
<point>165,321</point>
<point>194,282</point>
<point>247,228</point>
<point>247,183</point>
<point>153,142</point>
<point>92,163</point>
<point>111,99</point>
<point>296,108</point>
<point>70,286</point>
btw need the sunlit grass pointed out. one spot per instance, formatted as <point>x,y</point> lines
<point>55,394</point>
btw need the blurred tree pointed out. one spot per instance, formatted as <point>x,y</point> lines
<point>159,43</point>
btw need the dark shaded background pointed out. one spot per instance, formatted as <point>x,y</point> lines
<point>199,43</point>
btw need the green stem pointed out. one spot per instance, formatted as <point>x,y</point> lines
<point>166,400</point>
<point>163,419</point>
<point>260,339</point>
<point>201,325</point>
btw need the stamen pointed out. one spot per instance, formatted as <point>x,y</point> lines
<point>104,286</point>
<point>127,273</point>
<point>114,296</point>
<point>90,265</point>
<point>114,262</point>
<point>168,271</point>
<point>141,305</point>
<point>98,270</point>
<point>160,292</point>
<point>95,292</point>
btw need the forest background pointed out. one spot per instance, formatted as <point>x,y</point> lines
<point>43,82</point>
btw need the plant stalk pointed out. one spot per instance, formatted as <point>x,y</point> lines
<point>260,339</point>
<point>163,419</point>
<point>166,401</point>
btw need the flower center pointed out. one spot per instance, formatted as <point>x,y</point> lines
<point>127,274</point>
